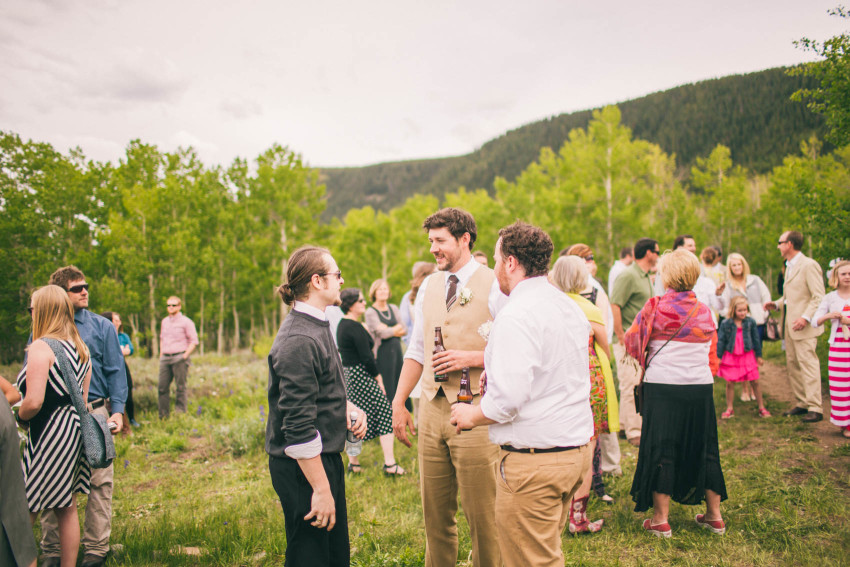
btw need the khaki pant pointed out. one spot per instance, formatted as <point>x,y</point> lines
<point>628,374</point>
<point>609,447</point>
<point>452,464</point>
<point>172,367</point>
<point>533,494</point>
<point>98,524</point>
<point>804,372</point>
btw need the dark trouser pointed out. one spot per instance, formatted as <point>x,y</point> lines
<point>307,545</point>
<point>129,407</point>
<point>172,367</point>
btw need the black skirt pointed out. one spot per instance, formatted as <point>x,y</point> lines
<point>679,455</point>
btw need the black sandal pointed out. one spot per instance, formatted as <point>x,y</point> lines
<point>352,467</point>
<point>392,470</point>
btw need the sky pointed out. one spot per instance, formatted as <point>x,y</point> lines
<point>353,83</point>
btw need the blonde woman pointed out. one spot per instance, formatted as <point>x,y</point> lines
<point>570,275</point>
<point>741,283</point>
<point>54,467</point>
<point>384,323</point>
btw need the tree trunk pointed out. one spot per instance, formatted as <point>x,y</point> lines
<point>152,306</point>
<point>609,199</point>
<point>203,333</point>
<point>219,349</point>
<point>237,338</point>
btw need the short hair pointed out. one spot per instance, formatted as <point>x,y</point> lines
<point>795,238</point>
<point>65,275</point>
<point>708,255</point>
<point>625,252</point>
<point>530,245</point>
<point>717,249</point>
<point>179,301</point>
<point>833,277</point>
<point>643,246</point>
<point>680,270</point>
<point>570,274</point>
<point>349,296</point>
<point>302,264</point>
<point>580,249</point>
<point>733,305</point>
<point>373,289</point>
<point>457,221</point>
<point>680,240</point>
<point>480,254</point>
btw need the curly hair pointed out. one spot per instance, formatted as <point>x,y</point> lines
<point>457,221</point>
<point>530,245</point>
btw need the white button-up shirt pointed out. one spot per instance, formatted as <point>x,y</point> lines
<point>538,377</point>
<point>495,301</point>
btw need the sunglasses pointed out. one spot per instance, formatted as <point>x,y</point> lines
<point>782,242</point>
<point>78,288</point>
<point>588,258</point>
<point>172,305</point>
<point>338,274</point>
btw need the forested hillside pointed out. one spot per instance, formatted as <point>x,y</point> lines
<point>750,114</point>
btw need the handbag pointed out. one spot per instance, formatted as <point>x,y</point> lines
<point>771,329</point>
<point>98,446</point>
<point>638,390</point>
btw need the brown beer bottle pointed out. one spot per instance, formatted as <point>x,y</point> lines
<point>438,347</point>
<point>464,395</point>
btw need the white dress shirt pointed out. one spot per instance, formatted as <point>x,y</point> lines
<point>617,269</point>
<point>538,377</point>
<point>495,301</point>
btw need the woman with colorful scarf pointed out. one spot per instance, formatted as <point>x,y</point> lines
<point>679,458</point>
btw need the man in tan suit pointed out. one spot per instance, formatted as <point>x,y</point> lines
<point>459,299</point>
<point>802,294</point>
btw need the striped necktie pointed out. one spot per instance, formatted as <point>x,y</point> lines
<point>451,294</point>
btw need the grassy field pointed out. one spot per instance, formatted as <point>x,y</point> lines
<point>195,490</point>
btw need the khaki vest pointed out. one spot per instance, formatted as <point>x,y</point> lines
<point>459,328</point>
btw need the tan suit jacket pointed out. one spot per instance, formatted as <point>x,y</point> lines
<point>803,293</point>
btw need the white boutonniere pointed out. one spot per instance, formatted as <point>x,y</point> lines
<point>465,296</point>
<point>484,330</point>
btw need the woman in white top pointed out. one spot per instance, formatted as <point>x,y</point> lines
<point>740,282</point>
<point>679,456</point>
<point>836,307</point>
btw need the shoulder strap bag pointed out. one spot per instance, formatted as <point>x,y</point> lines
<point>771,329</point>
<point>98,446</point>
<point>638,391</point>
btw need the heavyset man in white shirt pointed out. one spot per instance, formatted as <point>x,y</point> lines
<point>536,403</point>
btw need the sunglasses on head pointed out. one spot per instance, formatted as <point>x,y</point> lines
<point>78,288</point>
<point>588,258</point>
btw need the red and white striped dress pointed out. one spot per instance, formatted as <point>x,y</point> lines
<point>839,375</point>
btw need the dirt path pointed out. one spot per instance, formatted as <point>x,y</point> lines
<point>774,382</point>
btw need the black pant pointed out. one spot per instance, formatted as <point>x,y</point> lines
<point>307,545</point>
<point>129,407</point>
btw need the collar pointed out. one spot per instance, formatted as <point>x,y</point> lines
<point>175,316</point>
<point>464,273</point>
<point>81,315</point>
<point>308,309</point>
<point>529,286</point>
<point>635,266</point>
<point>793,260</point>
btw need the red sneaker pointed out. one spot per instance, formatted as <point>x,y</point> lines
<point>715,526</point>
<point>659,530</point>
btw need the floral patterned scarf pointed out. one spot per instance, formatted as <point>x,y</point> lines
<point>663,316</point>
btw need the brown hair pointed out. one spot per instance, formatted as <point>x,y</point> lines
<point>796,239</point>
<point>833,277</point>
<point>421,270</point>
<point>302,265</point>
<point>679,270</point>
<point>373,289</point>
<point>457,221</point>
<point>708,255</point>
<point>530,245</point>
<point>53,317</point>
<point>581,250</point>
<point>733,305</point>
<point>63,276</point>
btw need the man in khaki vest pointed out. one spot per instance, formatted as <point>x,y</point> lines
<point>460,298</point>
<point>803,292</point>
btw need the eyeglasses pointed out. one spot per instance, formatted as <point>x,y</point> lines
<point>338,274</point>
<point>172,305</point>
<point>588,258</point>
<point>78,288</point>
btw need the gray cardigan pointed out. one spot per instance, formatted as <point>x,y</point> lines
<point>306,392</point>
<point>373,321</point>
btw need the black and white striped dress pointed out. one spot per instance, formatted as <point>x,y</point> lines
<point>54,465</point>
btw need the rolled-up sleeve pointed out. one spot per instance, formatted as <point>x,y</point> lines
<point>298,386</point>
